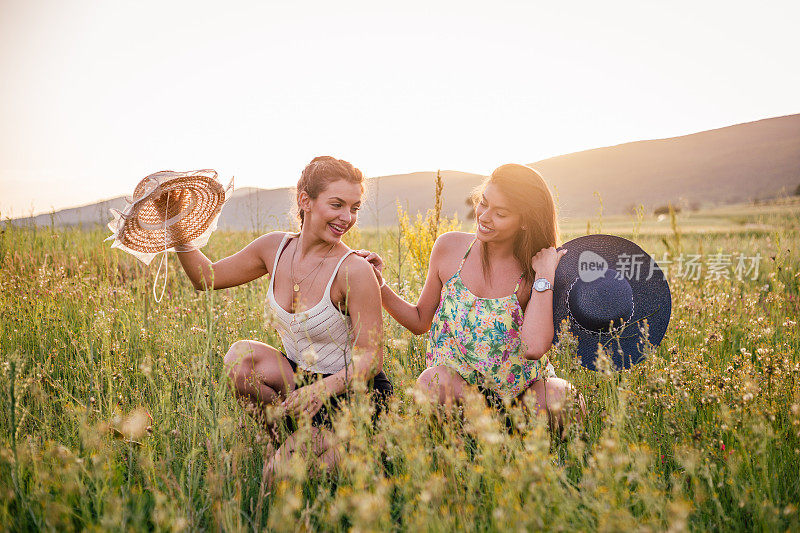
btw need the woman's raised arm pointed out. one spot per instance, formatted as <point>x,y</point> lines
<point>537,327</point>
<point>417,317</point>
<point>245,265</point>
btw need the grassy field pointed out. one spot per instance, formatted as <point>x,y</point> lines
<point>115,414</point>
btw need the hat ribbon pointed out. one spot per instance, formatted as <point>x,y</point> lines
<point>164,259</point>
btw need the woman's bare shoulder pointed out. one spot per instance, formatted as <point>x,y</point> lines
<point>455,238</point>
<point>452,242</point>
<point>273,238</point>
<point>266,246</point>
<point>356,268</point>
<point>354,279</point>
<point>269,241</point>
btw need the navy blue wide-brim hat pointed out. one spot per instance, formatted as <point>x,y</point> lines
<point>606,287</point>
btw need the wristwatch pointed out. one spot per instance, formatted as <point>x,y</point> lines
<point>541,285</point>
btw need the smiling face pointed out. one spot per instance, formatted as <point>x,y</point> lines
<point>333,212</point>
<point>497,221</point>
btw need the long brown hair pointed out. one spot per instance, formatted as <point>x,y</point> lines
<point>322,171</point>
<point>528,196</point>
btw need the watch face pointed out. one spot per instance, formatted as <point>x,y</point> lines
<point>540,285</point>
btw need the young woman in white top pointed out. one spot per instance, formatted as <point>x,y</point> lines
<point>325,299</point>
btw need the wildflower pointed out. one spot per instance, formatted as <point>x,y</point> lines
<point>398,344</point>
<point>135,424</point>
<point>146,367</point>
<point>493,437</point>
<point>309,357</point>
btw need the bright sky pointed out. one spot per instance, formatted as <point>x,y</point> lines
<point>96,95</point>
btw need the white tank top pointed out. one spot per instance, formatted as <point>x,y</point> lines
<point>320,339</point>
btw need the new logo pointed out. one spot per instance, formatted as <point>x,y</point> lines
<point>591,266</point>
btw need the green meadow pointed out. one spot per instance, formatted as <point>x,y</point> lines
<point>116,414</point>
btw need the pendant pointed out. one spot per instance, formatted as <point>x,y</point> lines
<point>296,287</point>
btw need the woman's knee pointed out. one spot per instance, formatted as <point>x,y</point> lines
<point>557,389</point>
<point>549,393</point>
<point>557,395</point>
<point>239,359</point>
<point>432,378</point>
<point>567,396</point>
<point>441,382</point>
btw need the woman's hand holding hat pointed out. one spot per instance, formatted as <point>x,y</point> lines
<point>167,204</point>
<point>545,262</point>
<point>169,211</point>
<point>174,197</point>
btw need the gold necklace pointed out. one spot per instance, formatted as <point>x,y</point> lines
<point>296,284</point>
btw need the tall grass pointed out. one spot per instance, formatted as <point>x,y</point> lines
<point>115,414</point>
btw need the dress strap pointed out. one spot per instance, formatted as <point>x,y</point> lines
<point>516,288</point>
<point>466,254</point>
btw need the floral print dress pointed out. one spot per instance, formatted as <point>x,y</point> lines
<point>479,338</point>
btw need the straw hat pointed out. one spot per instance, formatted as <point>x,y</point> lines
<point>168,210</point>
<point>605,288</point>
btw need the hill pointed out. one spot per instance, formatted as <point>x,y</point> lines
<point>734,164</point>
<point>262,209</point>
<point>738,163</point>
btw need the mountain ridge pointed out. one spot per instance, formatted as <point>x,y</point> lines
<point>760,158</point>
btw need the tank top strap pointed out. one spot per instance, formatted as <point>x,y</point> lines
<point>335,270</point>
<point>284,243</point>
<point>460,266</point>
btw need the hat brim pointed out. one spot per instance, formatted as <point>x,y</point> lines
<point>651,298</point>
